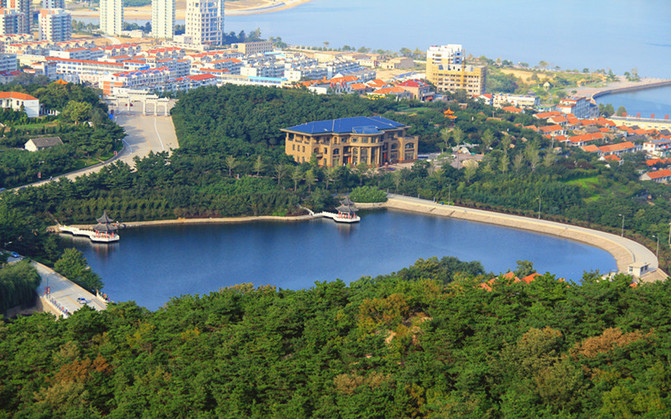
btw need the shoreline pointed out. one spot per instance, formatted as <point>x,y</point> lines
<point>624,251</point>
<point>248,8</point>
<point>593,93</point>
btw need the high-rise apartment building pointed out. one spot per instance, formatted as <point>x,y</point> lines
<point>55,25</point>
<point>53,4</point>
<point>9,21</point>
<point>111,16</point>
<point>163,19</point>
<point>205,21</point>
<point>446,69</point>
<point>23,10</point>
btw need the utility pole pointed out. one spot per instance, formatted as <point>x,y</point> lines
<point>657,237</point>
<point>622,234</point>
<point>539,207</point>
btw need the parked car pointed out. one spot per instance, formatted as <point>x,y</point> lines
<point>82,300</point>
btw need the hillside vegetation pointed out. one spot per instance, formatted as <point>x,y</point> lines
<point>426,341</point>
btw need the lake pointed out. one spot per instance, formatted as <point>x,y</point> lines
<point>150,265</point>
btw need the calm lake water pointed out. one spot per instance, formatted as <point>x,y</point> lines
<point>150,265</point>
<point>645,102</point>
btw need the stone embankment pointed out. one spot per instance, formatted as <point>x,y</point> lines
<point>625,251</point>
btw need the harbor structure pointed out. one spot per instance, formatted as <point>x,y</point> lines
<point>373,141</point>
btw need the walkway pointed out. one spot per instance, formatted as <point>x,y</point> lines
<point>625,251</point>
<point>65,295</point>
<point>143,135</point>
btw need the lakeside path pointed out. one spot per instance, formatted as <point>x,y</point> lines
<point>625,251</point>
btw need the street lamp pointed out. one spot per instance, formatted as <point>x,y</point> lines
<point>539,207</point>
<point>657,237</point>
<point>622,234</point>
<point>669,234</point>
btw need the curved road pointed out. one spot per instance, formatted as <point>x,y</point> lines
<point>624,250</point>
<point>144,133</point>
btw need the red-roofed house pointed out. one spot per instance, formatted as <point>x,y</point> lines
<point>657,147</point>
<point>619,149</point>
<point>396,91</point>
<point>581,140</point>
<point>552,130</point>
<point>659,176</point>
<point>20,101</point>
<point>419,89</point>
<point>591,148</point>
<point>512,109</point>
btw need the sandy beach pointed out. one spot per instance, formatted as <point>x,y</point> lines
<point>237,8</point>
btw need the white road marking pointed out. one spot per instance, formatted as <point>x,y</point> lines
<point>158,135</point>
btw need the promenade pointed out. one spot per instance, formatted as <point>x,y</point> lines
<point>65,297</point>
<point>625,251</point>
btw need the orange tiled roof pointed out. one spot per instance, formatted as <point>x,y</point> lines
<point>617,147</point>
<point>659,174</point>
<point>16,95</point>
<point>590,148</point>
<point>512,109</point>
<point>653,162</point>
<point>612,157</point>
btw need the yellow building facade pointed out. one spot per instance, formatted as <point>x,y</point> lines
<point>370,140</point>
<point>453,77</point>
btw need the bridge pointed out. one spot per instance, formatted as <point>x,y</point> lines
<point>63,297</point>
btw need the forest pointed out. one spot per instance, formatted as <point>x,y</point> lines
<point>88,135</point>
<point>425,341</point>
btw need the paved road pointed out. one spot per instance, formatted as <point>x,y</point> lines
<point>143,134</point>
<point>65,293</point>
<point>624,250</point>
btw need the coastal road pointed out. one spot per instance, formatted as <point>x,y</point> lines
<point>144,133</point>
<point>66,297</point>
<point>624,250</point>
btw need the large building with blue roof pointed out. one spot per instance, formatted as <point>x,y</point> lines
<point>372,140</point>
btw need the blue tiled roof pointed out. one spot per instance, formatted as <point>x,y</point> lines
<point>357,124</point>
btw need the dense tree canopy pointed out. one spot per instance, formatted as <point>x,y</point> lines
<point>426,341</point>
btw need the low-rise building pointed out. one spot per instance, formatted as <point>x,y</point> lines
<point>20,102</point>
<point>520,101</point>
<point>619,149</point>
<point>580,107</point>
<point>419,89</point>
<point>8,63</point>
<point>41,143</point>
<point>257,47</point>
<point>659,176</point>
<point>370,140</point>
<point>657,147</point>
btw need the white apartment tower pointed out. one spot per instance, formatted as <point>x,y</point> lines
<point>445,54</point>
<point>111,16</point>
<point>163,18</point>
<point>9,21</point>
<point>53,4</point>
<point>205,21</point>
<point>55,25</point>
<point>23,10</point>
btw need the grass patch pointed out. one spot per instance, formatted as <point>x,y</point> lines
<point>588,182</point>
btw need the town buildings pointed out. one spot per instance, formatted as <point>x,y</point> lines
<point>55,25</point>
<point>205,21</point>
<point>163,19</point>
<point>520,101</point>
<point>370,140</point>
<point>53,4</point>
<point>111,16</point>
<point>446,69</point>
